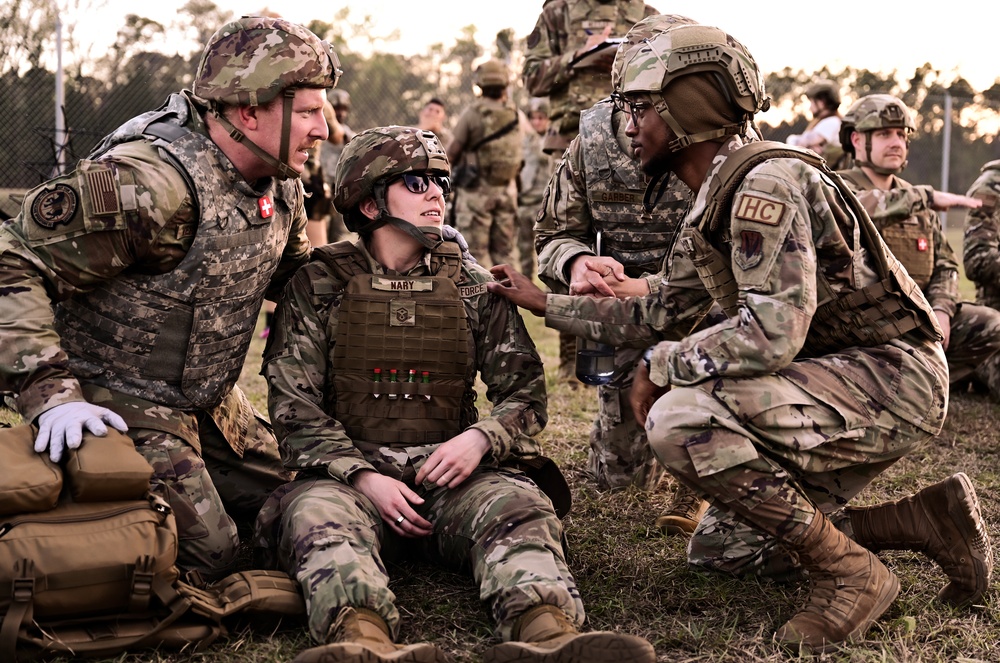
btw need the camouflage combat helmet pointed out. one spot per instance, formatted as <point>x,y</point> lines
<point>339,98</point>
<point>371,160</point>
<point>875,111</point>
<point>538,105</point>
<point>492,73</point>
<point>250,61</point>
<point>659,49</point>
<point>825,89</point>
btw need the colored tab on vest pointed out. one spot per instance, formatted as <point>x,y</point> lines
<point>265,206</point>
<point>402,285</point>
<point>922,244</point>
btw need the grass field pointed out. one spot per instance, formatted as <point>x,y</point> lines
<point>634,580</point>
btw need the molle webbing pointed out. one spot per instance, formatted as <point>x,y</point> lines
<point>402,323</point>
<point>714,271</point>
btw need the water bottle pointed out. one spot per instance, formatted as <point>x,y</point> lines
<point>595,362</point>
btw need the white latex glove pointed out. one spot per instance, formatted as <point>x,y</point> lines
<point>62,426</point>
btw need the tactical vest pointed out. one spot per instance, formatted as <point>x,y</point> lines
<point>401,323</point>
<point>615,187</point>
<point>872,315</point>
<point>500,158</point>
<point>181,338</point>
<point>588,86</point>
<point>911,240</point>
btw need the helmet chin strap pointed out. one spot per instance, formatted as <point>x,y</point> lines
<point>285,172</point>
<point>867,162</point>
<point>419,233</point>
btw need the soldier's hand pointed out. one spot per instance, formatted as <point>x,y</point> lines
<point>944,201</point>
<point>944,322</point>
<point>453,462</point>
<point>518,288</point>
<point>394,501</point>
<point>595,275</point>
<point>643,393</point>
<point>62,426</point>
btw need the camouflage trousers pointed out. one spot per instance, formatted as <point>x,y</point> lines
<point>527,210</point>
<point>212,494</point>
<point>486,216</point>
<point>619,451</point>
<point>768,452</point>
<point>972,349</point>
<point>498,524</point>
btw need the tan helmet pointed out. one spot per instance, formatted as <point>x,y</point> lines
<point>652,63</point>
<point>250,61</point>
<point>339,98</point>
<point>875,111</point>
<point>374,157</point>
<point>538,105</point>
<point>492,73</point>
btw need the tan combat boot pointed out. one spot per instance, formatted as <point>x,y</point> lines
<point>942,521</point>
<point>544,634</point>
<point>684,513</point>
<point>359,635</point>
<point>851,588</point>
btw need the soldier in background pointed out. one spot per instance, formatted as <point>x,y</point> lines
<point>565,63</point>
<point>131,287</point>
<point>336,111</point>
<point>822,134</point>
<point>487,143</point>
<point>406,468</point>
<point>433,116</point>
<point>826,370</point>
<point>981,251</point>
<point>598,189</point>
<point>532,181</point>
<point>876,134</point>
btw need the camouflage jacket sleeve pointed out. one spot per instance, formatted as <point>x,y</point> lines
<point>981,240</point>
<point>775,269</point>
<point>49,255</point>
<point>900,203</point>
<point>298,378</point>
<point>510,368</point>
<point>546,66</point>
<point>566,228</point>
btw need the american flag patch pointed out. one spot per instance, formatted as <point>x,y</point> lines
<point>103,192</point>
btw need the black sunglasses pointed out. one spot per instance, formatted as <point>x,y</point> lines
<point>420,182</point>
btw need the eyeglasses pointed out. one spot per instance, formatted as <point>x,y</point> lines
<point>633,108</point>
<point>420,182</point>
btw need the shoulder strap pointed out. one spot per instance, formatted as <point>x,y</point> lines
<point>343,258</point>
<point>505,129</point>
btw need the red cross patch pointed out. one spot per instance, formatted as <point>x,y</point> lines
<point>266,208</point>
<point>922,244</point>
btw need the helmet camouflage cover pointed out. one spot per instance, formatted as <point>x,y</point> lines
<point>250,60</point>
<point>653,62</point>
<point>878,111</point>
<point>647,28</point>
<point>382,153</point>
<point>492,73</point>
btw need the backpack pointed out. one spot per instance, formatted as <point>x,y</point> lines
<point>95,575</point>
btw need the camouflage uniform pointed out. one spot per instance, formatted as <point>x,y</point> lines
<point>329,155</point>
<point>534,177</point>
<point>135,282</point>
<point>563,27</point>
<point>329,535</point>
<point>598,187</point>
<point>981,255</point>
<point>749,415</point>
<point>485,212</point>
<point>913,232</point>
<point>107,265</point>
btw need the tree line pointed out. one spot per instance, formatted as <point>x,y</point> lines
<point>139,71</point>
